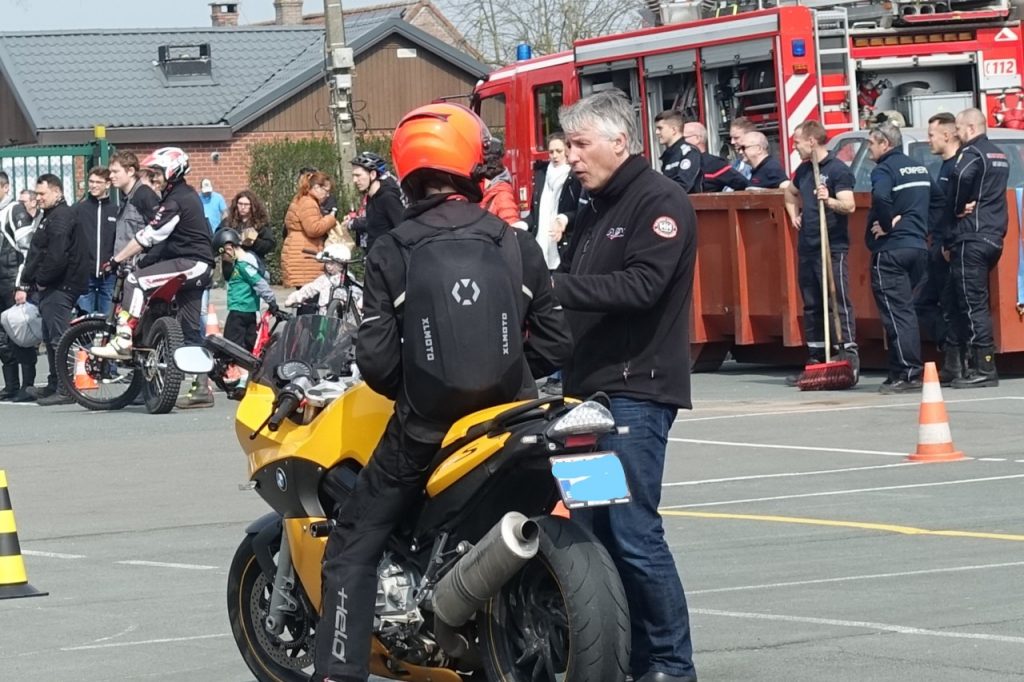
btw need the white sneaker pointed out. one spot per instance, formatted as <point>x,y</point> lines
<point>119,347</point>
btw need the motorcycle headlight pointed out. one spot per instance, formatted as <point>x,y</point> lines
<point>587,417</point>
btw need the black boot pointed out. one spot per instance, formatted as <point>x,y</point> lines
<point>11,383</point>
<point>953,365</point>
<point>983,374</point>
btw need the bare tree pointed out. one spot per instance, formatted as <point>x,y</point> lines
<point>495,27</point>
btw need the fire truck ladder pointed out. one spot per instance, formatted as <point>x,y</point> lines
<point>832,51</point>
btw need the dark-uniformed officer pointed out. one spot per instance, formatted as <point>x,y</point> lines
<point>896,235</point>
<point>766,171</point>
<point>680,161</point>
<point>802,203</point>
<point>718,174</point>
<point>936,302</point>
<point>978,202</point>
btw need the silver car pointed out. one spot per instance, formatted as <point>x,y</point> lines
<point>853,149</point>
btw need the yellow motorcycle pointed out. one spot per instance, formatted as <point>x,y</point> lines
<point>480,581</point>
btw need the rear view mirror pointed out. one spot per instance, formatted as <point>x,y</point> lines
<point>193,360</point>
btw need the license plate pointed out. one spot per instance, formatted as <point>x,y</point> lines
<point>592,480</point>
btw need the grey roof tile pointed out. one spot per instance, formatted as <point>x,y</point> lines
<point>74,79</point>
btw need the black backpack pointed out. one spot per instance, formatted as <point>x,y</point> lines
<point>461,318</point>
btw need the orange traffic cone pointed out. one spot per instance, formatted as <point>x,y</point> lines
<point>83,381</point>
<point>934,440</point>
<point>560,510</point>
<point>13,578</point>
<point>212,323</point>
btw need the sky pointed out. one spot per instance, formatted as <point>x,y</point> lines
<point>53,15</point>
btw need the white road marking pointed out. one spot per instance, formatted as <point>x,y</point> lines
<point>772,446</point>
<point>991,459</point>
<point>843,492</point>
<point>851,578</point>
<point>130,628</point>
<point>161,564</point>
<point>847,408</point>
<point>866,625</point>
<point>167,640</point>
<point>788,474</point>
<point>51,555</point>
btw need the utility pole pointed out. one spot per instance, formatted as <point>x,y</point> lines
<point>339,74</point>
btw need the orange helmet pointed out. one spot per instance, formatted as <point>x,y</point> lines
<point>444,137</point>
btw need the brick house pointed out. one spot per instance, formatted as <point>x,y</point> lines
<point>215,91</point>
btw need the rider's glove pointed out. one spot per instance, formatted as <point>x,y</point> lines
<point>273,308</point>
<point>110,267</point>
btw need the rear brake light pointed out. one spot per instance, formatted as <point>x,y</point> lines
<point>582,441</point>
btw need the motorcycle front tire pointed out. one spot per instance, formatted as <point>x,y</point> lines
<point>564,613</point>
<point>161,389</point>
<point>249,591</point>
<point>82,335</point>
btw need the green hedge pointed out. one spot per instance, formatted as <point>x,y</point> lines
<point>274,170</point>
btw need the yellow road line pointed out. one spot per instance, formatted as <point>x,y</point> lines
<point>884,527</point>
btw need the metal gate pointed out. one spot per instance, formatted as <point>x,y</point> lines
<point>71,163</point>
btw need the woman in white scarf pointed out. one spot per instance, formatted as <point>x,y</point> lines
<point>549,222</point>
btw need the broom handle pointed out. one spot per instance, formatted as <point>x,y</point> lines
<point>826,262</point>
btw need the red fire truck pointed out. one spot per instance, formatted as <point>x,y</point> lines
<point>841,63</point>
<point>844,63</point>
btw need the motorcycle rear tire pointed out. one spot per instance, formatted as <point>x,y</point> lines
<point>247,584</point>
<point>83,335</point>
<point>571,593</point>
<point>161,391</point>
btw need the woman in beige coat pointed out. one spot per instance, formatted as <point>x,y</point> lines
<point>306,229</point>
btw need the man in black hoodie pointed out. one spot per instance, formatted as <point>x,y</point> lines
<point>54,271</point>
<point>383,199</point>
<point>627,294</point>
<point>96,218</point>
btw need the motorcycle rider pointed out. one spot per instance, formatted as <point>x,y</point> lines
<point>438,151</point>
<point>180,227</point>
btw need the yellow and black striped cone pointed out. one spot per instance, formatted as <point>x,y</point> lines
<point>13,578</point>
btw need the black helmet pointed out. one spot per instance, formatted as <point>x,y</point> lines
<point>225,236</point>
<point>371,162</point>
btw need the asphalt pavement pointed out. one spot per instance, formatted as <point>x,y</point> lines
<point>811,550</point>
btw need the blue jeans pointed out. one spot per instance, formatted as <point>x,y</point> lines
<point>98,298</point>
<point>633,535</point>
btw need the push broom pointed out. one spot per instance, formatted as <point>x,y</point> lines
<point>831,375</point>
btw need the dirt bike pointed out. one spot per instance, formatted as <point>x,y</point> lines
<point>479,580</point>
<point>102,384</point>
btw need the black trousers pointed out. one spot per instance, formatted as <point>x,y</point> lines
<point>13,355</point>
<point>895,274</point>
<point>936,303</point>
<point>240,328</point>
<point>56,307</point>
<point>384,491</point>
<point>969,268</point>
<point>809,278</point>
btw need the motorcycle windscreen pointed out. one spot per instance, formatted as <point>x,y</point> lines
<point>592,480</point>
<point>326,344</point>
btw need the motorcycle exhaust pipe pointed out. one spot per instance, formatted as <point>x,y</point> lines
<point>480,574</point>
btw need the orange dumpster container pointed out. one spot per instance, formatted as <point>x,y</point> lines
<point>746,299</point>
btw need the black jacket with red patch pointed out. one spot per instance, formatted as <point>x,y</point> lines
<point>626,286</point>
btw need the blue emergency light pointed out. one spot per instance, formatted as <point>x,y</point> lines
<point>523,51</point>
<point>799,47</point>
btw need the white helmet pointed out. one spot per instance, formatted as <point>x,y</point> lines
<point>338,251</point>
<point>172,162</point>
